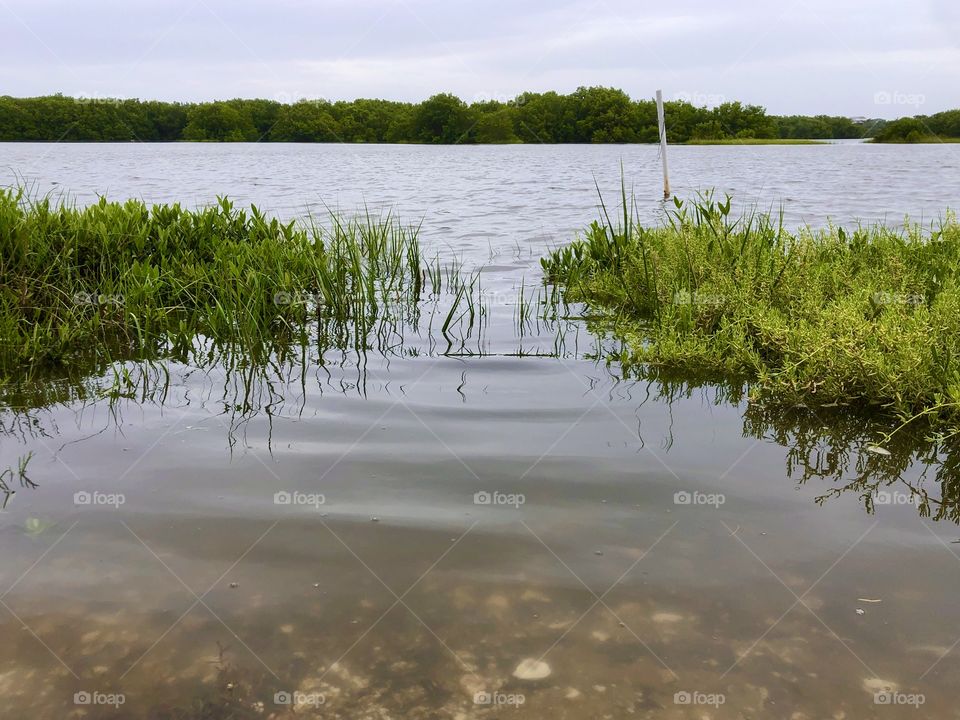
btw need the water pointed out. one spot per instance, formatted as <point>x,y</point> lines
<point>451,517</point>
<point>509,201</point>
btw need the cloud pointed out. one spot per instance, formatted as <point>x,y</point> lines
<point>807,56</point>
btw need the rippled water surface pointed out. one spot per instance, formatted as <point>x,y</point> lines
<point>508,199</point>
<point>431,535</point>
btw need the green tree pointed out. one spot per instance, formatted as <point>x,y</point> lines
<point>444,118</point>
<point>263,114</point>
<point>605,115</point>
<point>168,120</point>
<point>219,121</point>
<point>496,127</point>
<point>306,121</point>
<point>594,114</point>
<point>735,118</point>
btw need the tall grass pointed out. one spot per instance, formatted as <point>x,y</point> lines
<point>868,317</point>
<point>116,280</point>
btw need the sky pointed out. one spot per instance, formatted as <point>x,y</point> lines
<point>874,59</point>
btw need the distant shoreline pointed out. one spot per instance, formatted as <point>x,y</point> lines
<point>587,115</point>
<point>764,141</point>
<point>689,143</point>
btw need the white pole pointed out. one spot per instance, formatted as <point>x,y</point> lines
<point>663,145</point>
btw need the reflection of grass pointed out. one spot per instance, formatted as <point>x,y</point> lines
<point>827,447</point>
<point>756,141</point>
<point>868,318</point>
<point>20,475</point>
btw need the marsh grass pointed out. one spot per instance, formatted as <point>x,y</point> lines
<point>919,140</point>
<point>755,141</point>
<point>85,287</point>
<point>865,318</point>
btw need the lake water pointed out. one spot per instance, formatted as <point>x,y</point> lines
<point>430,535</point>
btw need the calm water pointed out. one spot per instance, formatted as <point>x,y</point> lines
<point>426,536</point>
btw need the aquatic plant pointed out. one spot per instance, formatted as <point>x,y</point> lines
<point>866,318</point>
<point>86,286</point>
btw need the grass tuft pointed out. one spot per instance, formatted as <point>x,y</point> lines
<point>867,318</point>
<point>87,286</point>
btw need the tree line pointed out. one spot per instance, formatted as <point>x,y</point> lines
<point>588,115</point>
<point>922,128</point>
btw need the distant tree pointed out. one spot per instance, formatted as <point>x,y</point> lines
<point>444,118</point>
<point>369,120</point>
<point>400,128</point>
<point>709,130</point>
<point>263,114</point>
<point>15,124</point>
<point>219,121</point>
<point>590,115</point>
<point>168,120</point>
<point>496,127</point>
<point>306,121</point>
<point>682,118</point>
<point>735,117</point>
<point>903,130</point>
<point>604,115</point>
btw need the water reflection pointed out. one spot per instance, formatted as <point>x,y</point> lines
<point>200,597</point>
<point>835,450</point>
<point>911,468</point>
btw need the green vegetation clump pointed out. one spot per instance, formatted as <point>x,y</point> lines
<point>941,127</point>
<point>588,115</point>
<point>82,286</point>
<point>866,318</point>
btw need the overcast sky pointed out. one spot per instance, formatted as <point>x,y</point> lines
<point>877,58</point>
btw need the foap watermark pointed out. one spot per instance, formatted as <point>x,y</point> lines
<point>700,99</point>
<point>499,498</point>
<point>684,497</point>
<point>96,99</point>
<point>685,297</point>
<point>684,697</point>
<point>294,497</point>
<point>84,497</point>
<point>498,698</point>
<point>897,497</point>
<point>296,298</point>
<point>895,97</point>
<point>890,697</point>
<point>502,98</point>
<point>299,699</point>
<point>897,298</point>
<point>85,298</point>
<point>494,297</point>
<point>86,697</point>
<point>295,96</point>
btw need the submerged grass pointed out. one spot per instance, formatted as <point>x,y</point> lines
<point>866,318</point>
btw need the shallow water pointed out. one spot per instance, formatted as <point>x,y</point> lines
<point>654,550</point>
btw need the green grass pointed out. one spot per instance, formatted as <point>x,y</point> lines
<point>82,287</point>
<point>757,141</point>
<point>862,318</point>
